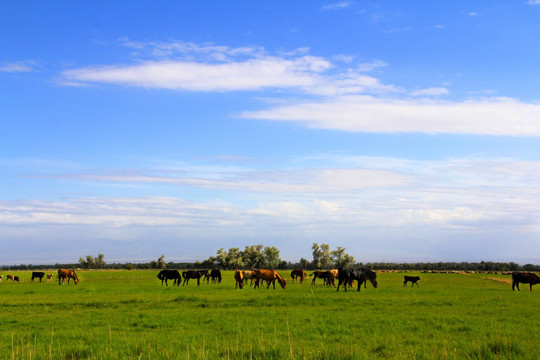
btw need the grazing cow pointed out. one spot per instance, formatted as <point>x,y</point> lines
<point>270,276</point>
<point>1,277</point>
<point>526,278</point>
<point>193,274</point>
<point>16,278</point>
<point>64,274</point>
<point>239,277</point>
<point>37,274</point>
<point>412,279</point>
<point>49,277</point>
<point>169,274</point>
<point>215,274</point>
<point>10,277</point>
<point>360,275</point>
<point>298,275</point>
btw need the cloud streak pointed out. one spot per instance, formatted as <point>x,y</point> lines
<point>345,99</point>
<point>491,116</point>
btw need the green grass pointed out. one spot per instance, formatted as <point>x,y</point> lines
<point>129,315</point>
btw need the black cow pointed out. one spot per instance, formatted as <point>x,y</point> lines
<point>345,276</point>
<point>412,279</point>
<point>170,274</point>
<point>193,274</point>
<point>38,274</point>
<point>526,278</point>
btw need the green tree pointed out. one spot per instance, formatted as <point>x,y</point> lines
<point>272,257</point>
<point>253,256</point>
<point>322,258</point>
<point>340,259</point>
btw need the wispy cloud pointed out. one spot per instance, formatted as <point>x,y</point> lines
<point>336,6</point>
<point>19,66</point>
<point>356,192</point>
<point>344,99</point>
<point>492,116</point>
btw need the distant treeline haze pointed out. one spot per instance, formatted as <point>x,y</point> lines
<point>259,256</point>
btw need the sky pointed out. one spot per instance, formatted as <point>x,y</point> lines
<point>401,131</point>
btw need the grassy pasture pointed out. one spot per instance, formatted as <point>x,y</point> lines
<point>129,315</point>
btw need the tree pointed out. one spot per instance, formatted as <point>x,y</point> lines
<point>340,259</point>
<point>99,262</point>
<point>253,256</point>
<point>272,257</point>
<point>321,256</point>
<point>159,263</point>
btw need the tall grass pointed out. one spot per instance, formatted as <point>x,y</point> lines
<point>129,315</point>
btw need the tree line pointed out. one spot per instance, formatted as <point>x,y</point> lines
<point>259,256</point>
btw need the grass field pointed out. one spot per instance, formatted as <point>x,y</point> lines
<point>129,315</point>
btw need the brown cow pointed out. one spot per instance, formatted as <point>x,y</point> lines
<point>49,277</point>
<point>526,278</point>
<point>10,277</point>
<point>64,274</point>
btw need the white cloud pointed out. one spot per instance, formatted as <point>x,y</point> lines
<point>491,116</point>
<point>336,6</point>
<point>253,74</point>
<point>430,92</point>
<point>19,66</point>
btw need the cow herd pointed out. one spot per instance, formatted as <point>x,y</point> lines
<point>345,277</point>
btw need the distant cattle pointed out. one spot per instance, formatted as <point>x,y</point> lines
<point>10,277</point>
<point>412,279</point>
<point>169,274</point>
<point>66,274</point>
<point>16,278</point>
<point>1,277</point>
<point>38,274</point>
<point>193,274</point>
<point>49,277</point>
<point>525,278</point>
<point>345,276</point>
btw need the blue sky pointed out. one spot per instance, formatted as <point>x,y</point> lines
<point>402,131</point>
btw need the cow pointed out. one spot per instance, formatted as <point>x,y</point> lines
<point>49,277</point>
<point>16,278</point>
<point>412,279</point>
<point>10,277</point>
<point>37,274</point>
<point>526,278</point>
<point>64,274</point>
<point>1,277</point>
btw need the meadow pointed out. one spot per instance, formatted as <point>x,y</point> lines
<point>129,315</point>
